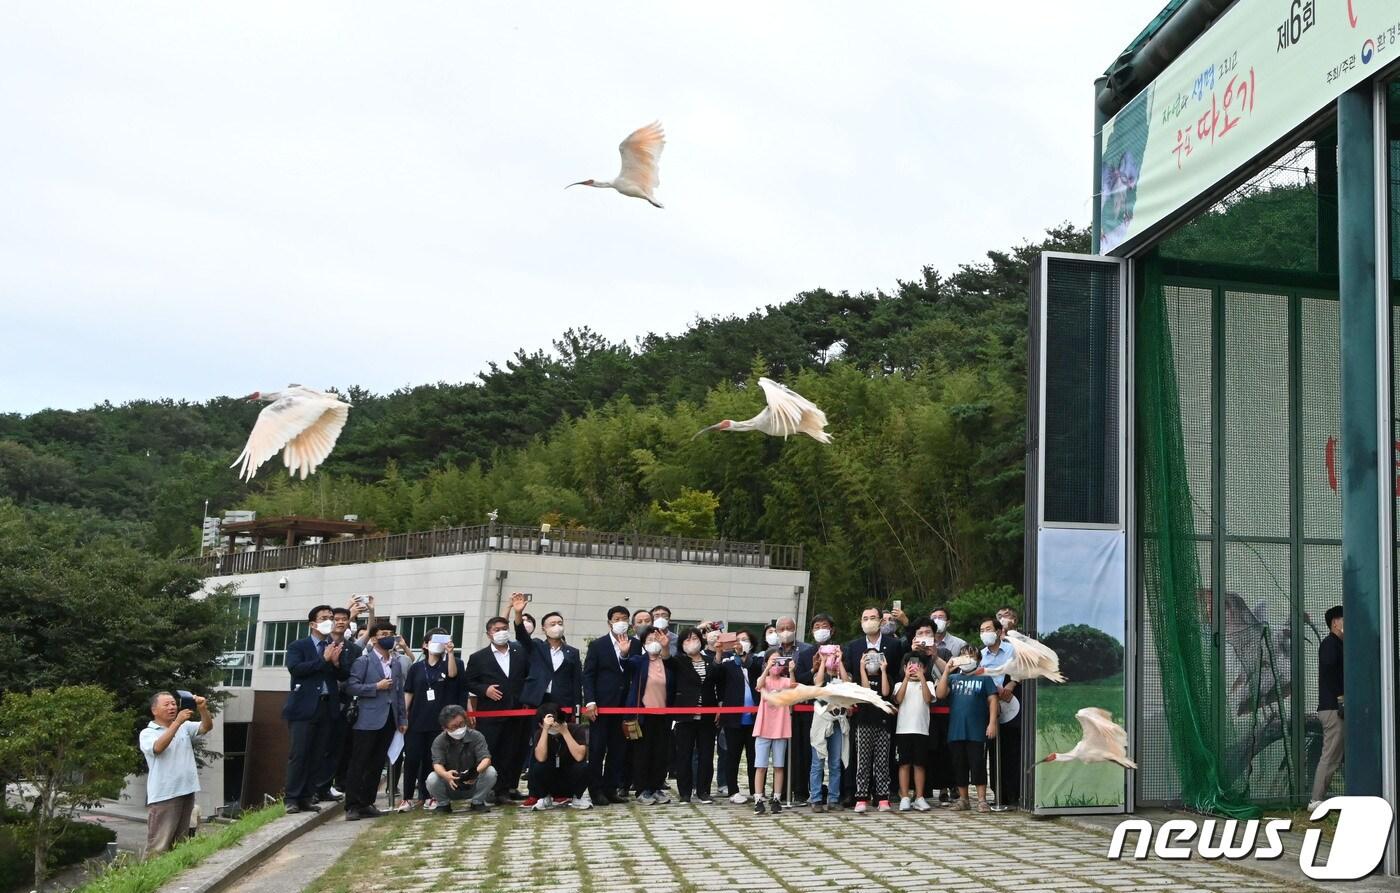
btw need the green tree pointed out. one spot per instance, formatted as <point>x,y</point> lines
<point>690,514</point>
<point>66,748</point>
<point>1092,653</point>
<point>969,608</point>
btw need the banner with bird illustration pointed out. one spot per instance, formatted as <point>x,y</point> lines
<point>1078,741</point>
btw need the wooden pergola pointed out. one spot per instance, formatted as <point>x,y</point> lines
<point>289,530</point>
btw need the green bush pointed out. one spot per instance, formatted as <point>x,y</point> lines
<point>79,841</point>
<point>1090,653</point>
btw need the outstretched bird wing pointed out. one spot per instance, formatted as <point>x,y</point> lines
<point>1104,737</point>
<point>791,413</point>
<point>842,694</point>
<point>641,156</point>
<point>303,424</point>
<point>1031,659</point>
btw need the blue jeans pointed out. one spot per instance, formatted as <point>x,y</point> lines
<point>833,770</point>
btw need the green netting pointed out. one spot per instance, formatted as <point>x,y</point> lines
<point>1171,573</point>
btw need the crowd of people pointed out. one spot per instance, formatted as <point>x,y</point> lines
<point>649,714</point>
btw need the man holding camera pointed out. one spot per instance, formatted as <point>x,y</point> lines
<point>168,744</point>
<point>462,767</point>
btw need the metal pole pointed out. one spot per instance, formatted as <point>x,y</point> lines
<point>1001,799</point>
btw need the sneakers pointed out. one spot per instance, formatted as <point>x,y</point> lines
<point>405,806</point>
<point>1313,805</point>
<point>961,805</point>
<point>540,804</point>
<point>884,806</point>
<point>429,803</point>
<point>702,799</point>
<point>584,802</point>
<point>662,796</point>
<point>739,798</point>
<point>760,806</point>
<point>922,805</point>
<point>562,801</point>
<point>645,798</point>
<point>480,806</point>
<point>861,807</point>
<point>984,806</point>
<point>905,804</point>
<point>532,803</point>
<point>776,805</point>
<point>443,807</point>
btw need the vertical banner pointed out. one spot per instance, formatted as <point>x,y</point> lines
<point>1080,612</point>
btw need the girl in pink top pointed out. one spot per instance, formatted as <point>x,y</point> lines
<point>771,732</point>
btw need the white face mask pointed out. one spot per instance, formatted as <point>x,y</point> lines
<point>554,630</point>
<point>653,648</point>
<point>870,627</point>
<point>745,645</point>
<point>692,647</point>
<point>940,624</point>
<point>457,734</point>
<point>989,639</point>
<point>435,648</point>
<point>772,639</point>
<point>787,636</point>
<point>822,635</point>
<point>325,627</point>
<point>500,637</point>
<point>661,622</point>
<point>619,627</point>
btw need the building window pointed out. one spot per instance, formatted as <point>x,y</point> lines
<point>277,636</point>
<point>414,628</point>
<point>237,659</point>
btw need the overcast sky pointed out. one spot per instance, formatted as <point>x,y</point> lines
<point>201,199</point>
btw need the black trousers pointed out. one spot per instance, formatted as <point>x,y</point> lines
<point>368,752</point>
<point>606,753</point>
<point>799,755</point>
<point>568,779</point>
<point>337,752</point>
<point>417,763</point>
<point>739,739</point>
<point>507,739</point>
<point>969,763</point>
<point>1008,782</point>
<point>652,754</point>
<point>307,757</point>
<point>939,768</point>
<point>695,737</point>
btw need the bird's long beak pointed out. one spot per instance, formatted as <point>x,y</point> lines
<point>706,428</point>
<point>579,183</point>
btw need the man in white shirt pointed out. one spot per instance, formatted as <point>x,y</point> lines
<point>168,743</point>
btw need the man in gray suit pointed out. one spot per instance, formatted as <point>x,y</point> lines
<point>377,681</point>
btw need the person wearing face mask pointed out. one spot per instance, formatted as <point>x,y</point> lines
<point>496,678</point>
<point>641,625</point>
<point>462,767</point>
<point>555,667</point>
<point>972,699</point>
<point>942,638</point>
<point>799,756</point>
<point>331,781</point>
<point>661,619</point>
<point>377,681</point>
<point>559,773</point>
<point>739,673</point>
<point>653,685</point>
<point>316,669</point>
<point>996,653</point>
<point>607,678</point>
<point>771,731</point>
<point>431,684</point>
<point>830,728</point>
<point>1007,617</point>
<point>938,772</point>
<point>892,649</point>
<point>697,685</point>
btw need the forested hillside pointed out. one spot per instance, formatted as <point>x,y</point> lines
<point>920,496</point>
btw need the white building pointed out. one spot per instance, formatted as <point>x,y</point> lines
<point>464,577</point>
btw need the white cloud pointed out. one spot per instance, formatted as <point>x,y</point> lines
<point>205,200</point>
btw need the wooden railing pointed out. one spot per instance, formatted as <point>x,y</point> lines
<point>572,543</point>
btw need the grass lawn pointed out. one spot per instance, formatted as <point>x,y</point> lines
<point>1075,784</point>
<point>144,877</point>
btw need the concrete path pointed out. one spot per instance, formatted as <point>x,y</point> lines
<point>294,867</point>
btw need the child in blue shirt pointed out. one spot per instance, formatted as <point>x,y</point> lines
<point>972,721</point>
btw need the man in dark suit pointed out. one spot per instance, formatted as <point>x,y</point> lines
<point>331,782</point>
<point>496,681</point>
<point>311,708</point>
<point>606,679</point>
<point>892,648</point>
<point>377,680</point>
<point>556,667</point>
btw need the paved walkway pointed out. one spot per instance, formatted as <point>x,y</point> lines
<point>705,849</point>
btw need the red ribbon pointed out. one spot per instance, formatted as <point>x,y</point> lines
<point>653,711</point>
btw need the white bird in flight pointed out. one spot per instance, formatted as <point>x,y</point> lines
<point>301,422</point>
<point>1030,660</point>
<point>1104,741</point>
<point>787,413</point>
<point>641,157</point>
<point>837,694</point>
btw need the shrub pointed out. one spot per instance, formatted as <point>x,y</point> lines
<point>1092,653</point>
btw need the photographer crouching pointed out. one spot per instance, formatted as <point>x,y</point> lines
<point>168,743</point>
